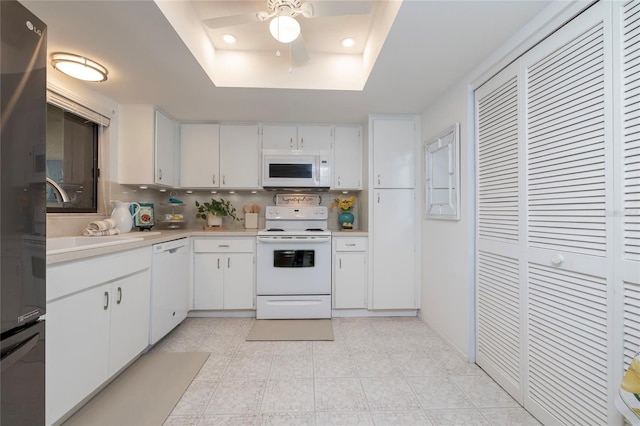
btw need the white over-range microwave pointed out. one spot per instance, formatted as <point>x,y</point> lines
<point>296,170</point>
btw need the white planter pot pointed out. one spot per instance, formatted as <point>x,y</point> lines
<point>213,220</point>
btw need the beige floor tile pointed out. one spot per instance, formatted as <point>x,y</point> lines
<point>389,394</point>
<point>340,394</point>
<point>237,396</point>
<point>284,395</point>
<point>344,419</point>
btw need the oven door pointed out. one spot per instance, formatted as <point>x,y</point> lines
<point>293,265</point>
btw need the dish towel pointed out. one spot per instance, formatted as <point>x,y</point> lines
<point>100,228</point>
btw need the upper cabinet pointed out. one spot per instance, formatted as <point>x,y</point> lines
<point>148,142</point>
<point>283,136</point>
<point>239,156</point>
<point>347,160</point>
<point>394,152</point>
<point>200,155</point>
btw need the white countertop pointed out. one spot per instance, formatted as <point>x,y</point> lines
<point>168,235</point>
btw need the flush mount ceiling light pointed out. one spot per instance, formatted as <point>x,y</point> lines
<point>78,67</point>
<point>348,42</point>
<point>285,29</point>
<point>229,38</point>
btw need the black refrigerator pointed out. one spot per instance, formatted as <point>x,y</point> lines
<point>23,56</point>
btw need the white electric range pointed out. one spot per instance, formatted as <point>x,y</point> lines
<point>294,264</point>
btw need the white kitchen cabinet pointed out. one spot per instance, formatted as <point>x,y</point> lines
<point>200,155</point>
<point>239,156</point>
<point>304,137</point>
<point>148,147</point>
<point>224,273</point>
<point>349,273</point>
<point>393,248</point>
<point>347,160</point>
<point>97,322</point>
<point>395,141</point>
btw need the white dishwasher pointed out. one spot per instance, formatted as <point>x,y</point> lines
<point>169,287</point>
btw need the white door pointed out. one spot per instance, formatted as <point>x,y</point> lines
<point>239,156</point>
<point>77,350</point>
<point>394,152</point>
<point>279,136</point>
<point>239,288</point>
<point>130,314</point>
<point>208,280</point>
<point>166,150</point>
<point>315,138</point>
<point>200,155</point>
<point>393,256</point>
<point>347,160</point>
<point>350,286</point>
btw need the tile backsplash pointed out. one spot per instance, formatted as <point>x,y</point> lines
<point>62,224</point>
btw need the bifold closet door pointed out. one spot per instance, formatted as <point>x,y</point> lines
<point>545,233</point>
<point>628,199</point>
<point>499,224</point>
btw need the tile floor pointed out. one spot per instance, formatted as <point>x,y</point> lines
<point>378,371</point>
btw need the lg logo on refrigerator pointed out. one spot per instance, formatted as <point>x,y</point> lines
<point>33,28</point>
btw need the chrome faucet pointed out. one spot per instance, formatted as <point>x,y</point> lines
<point>61,194</point>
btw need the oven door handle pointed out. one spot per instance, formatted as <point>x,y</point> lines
<point>294,240</point>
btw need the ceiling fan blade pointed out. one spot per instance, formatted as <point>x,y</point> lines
<point>230,21</point>
<point>337,8</point>
<point>299,50</point>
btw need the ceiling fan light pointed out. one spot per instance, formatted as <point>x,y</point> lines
<point>78,67</point>
<point>285,29</point>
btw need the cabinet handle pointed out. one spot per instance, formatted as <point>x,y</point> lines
<point>159,174</point>
<point>301,142</point>
<point>106,300</point>
<point>378,179</point>
<point>291,143</point>
<point>350,244</point>
<point>378,198</point>
<point>213,180</point>
<point>218,263</point>
<point>224,180</point>
<point>223,245</point>
<point>338,180</point>
<point>228,262</point>
<point>340,263</point>
<point>119,296</point>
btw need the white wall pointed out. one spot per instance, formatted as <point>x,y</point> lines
<point>446,245</point>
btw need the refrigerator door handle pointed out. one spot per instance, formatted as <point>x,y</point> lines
<point>18,352</point>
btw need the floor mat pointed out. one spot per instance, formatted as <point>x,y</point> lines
<point>145,393</point>
<point>291,329</point>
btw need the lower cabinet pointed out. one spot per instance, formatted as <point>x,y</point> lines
<point>95,325</point>
<point>224,273</point>
<point>350,273</point>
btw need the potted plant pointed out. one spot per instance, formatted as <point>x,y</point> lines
<point>215,210</point>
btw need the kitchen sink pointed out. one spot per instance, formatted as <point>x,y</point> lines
<point>69,244</point>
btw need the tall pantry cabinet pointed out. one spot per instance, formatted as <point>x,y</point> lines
<point>558,263</point>
<point>393,225</point>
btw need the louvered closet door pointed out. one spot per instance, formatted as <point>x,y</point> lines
<point>499,349</point>
<point>628,180</point>
<point>569,231</point>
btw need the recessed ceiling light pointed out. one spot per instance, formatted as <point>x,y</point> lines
<point>229,38</point>
<point>348,42</point>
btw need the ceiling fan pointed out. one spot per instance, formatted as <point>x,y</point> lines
<point>284,27</point>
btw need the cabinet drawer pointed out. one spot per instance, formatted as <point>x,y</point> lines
<point>215,245</point>
<point>351,244</point>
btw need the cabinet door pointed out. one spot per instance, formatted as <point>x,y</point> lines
<point>136,144</point>
<point>314,138</point>
<point>275,136</point>
<point>166,150</point>
<point>77,353</point>
<point>350,286</point>
<point>200,155</point>
<point>394,153</point>
<point>208,278</point>
<point>347,162</point>
<point>393,257</point>
<point>239,156</point>
<point>130,302</point>
<point>239,278</point>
